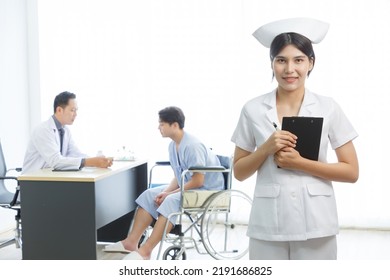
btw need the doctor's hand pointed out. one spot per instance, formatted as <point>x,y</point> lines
<point>288,158</point>
<point>102,162</point>
<point>280,139</point>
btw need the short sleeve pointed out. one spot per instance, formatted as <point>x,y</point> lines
<point>341,130</point>
<point>195,155</point>
<point>243,135</point>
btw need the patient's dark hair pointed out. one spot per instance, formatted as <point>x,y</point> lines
<point>301,42</point>
<point>171,115</point>
<point>62,99</point>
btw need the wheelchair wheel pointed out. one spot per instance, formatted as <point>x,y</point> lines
<point>174,253</point>
<point>224,225</point>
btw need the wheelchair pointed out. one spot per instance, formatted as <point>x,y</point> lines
<point>212,222</point>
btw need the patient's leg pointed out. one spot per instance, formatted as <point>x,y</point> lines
<point>146,250</point>
<point>142,220</point>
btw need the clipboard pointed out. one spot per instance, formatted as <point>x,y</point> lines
<point>308,130</point>
<point>65,170</point>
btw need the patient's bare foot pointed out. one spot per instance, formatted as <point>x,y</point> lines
<point>146,254</point>
<point>129,245</point>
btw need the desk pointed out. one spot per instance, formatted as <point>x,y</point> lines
<point>64,213</point>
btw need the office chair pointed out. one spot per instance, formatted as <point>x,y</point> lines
<point>10,200</point>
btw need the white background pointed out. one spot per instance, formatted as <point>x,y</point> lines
<point>126,60</point>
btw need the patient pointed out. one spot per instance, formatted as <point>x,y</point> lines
<point>158,203</point>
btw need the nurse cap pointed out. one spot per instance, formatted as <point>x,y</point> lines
<point>312,29</point>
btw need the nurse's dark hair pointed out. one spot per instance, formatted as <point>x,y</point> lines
<point>171,115</point>
<point>62,99</point>
<point>299,41</point>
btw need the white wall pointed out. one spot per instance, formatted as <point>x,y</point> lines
<point>13,86</point>
<point>16,53</point>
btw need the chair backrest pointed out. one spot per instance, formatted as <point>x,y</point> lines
<point>225,161</point>
<point>5,195</point>
<point>227,176</point>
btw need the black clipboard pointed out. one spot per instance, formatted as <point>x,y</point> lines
<point>308,130</point>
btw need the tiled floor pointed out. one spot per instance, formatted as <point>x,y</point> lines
<point>352,245</point>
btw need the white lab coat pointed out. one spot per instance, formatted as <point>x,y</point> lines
<point>43,150</point>
<point>291,205</point>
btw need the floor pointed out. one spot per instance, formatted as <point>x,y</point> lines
<point>352,245</point>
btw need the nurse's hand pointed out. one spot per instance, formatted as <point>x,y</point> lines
<point>280,139</point>
<point>288,158</point>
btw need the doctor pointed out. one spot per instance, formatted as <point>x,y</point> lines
<point>49,149</point>
<point>294,212</point>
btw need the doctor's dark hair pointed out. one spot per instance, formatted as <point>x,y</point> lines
<point>62,99</point>
<point>299,41</point>
<point>171,115</point>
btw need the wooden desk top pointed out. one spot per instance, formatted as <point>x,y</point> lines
<point>87,174</point>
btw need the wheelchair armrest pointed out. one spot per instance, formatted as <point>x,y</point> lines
<point>207,168</point>
<point>163,163</point>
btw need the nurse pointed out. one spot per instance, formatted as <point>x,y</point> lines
<point>294,213</point>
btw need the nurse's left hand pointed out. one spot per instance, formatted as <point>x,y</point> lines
<point>288,158</point>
